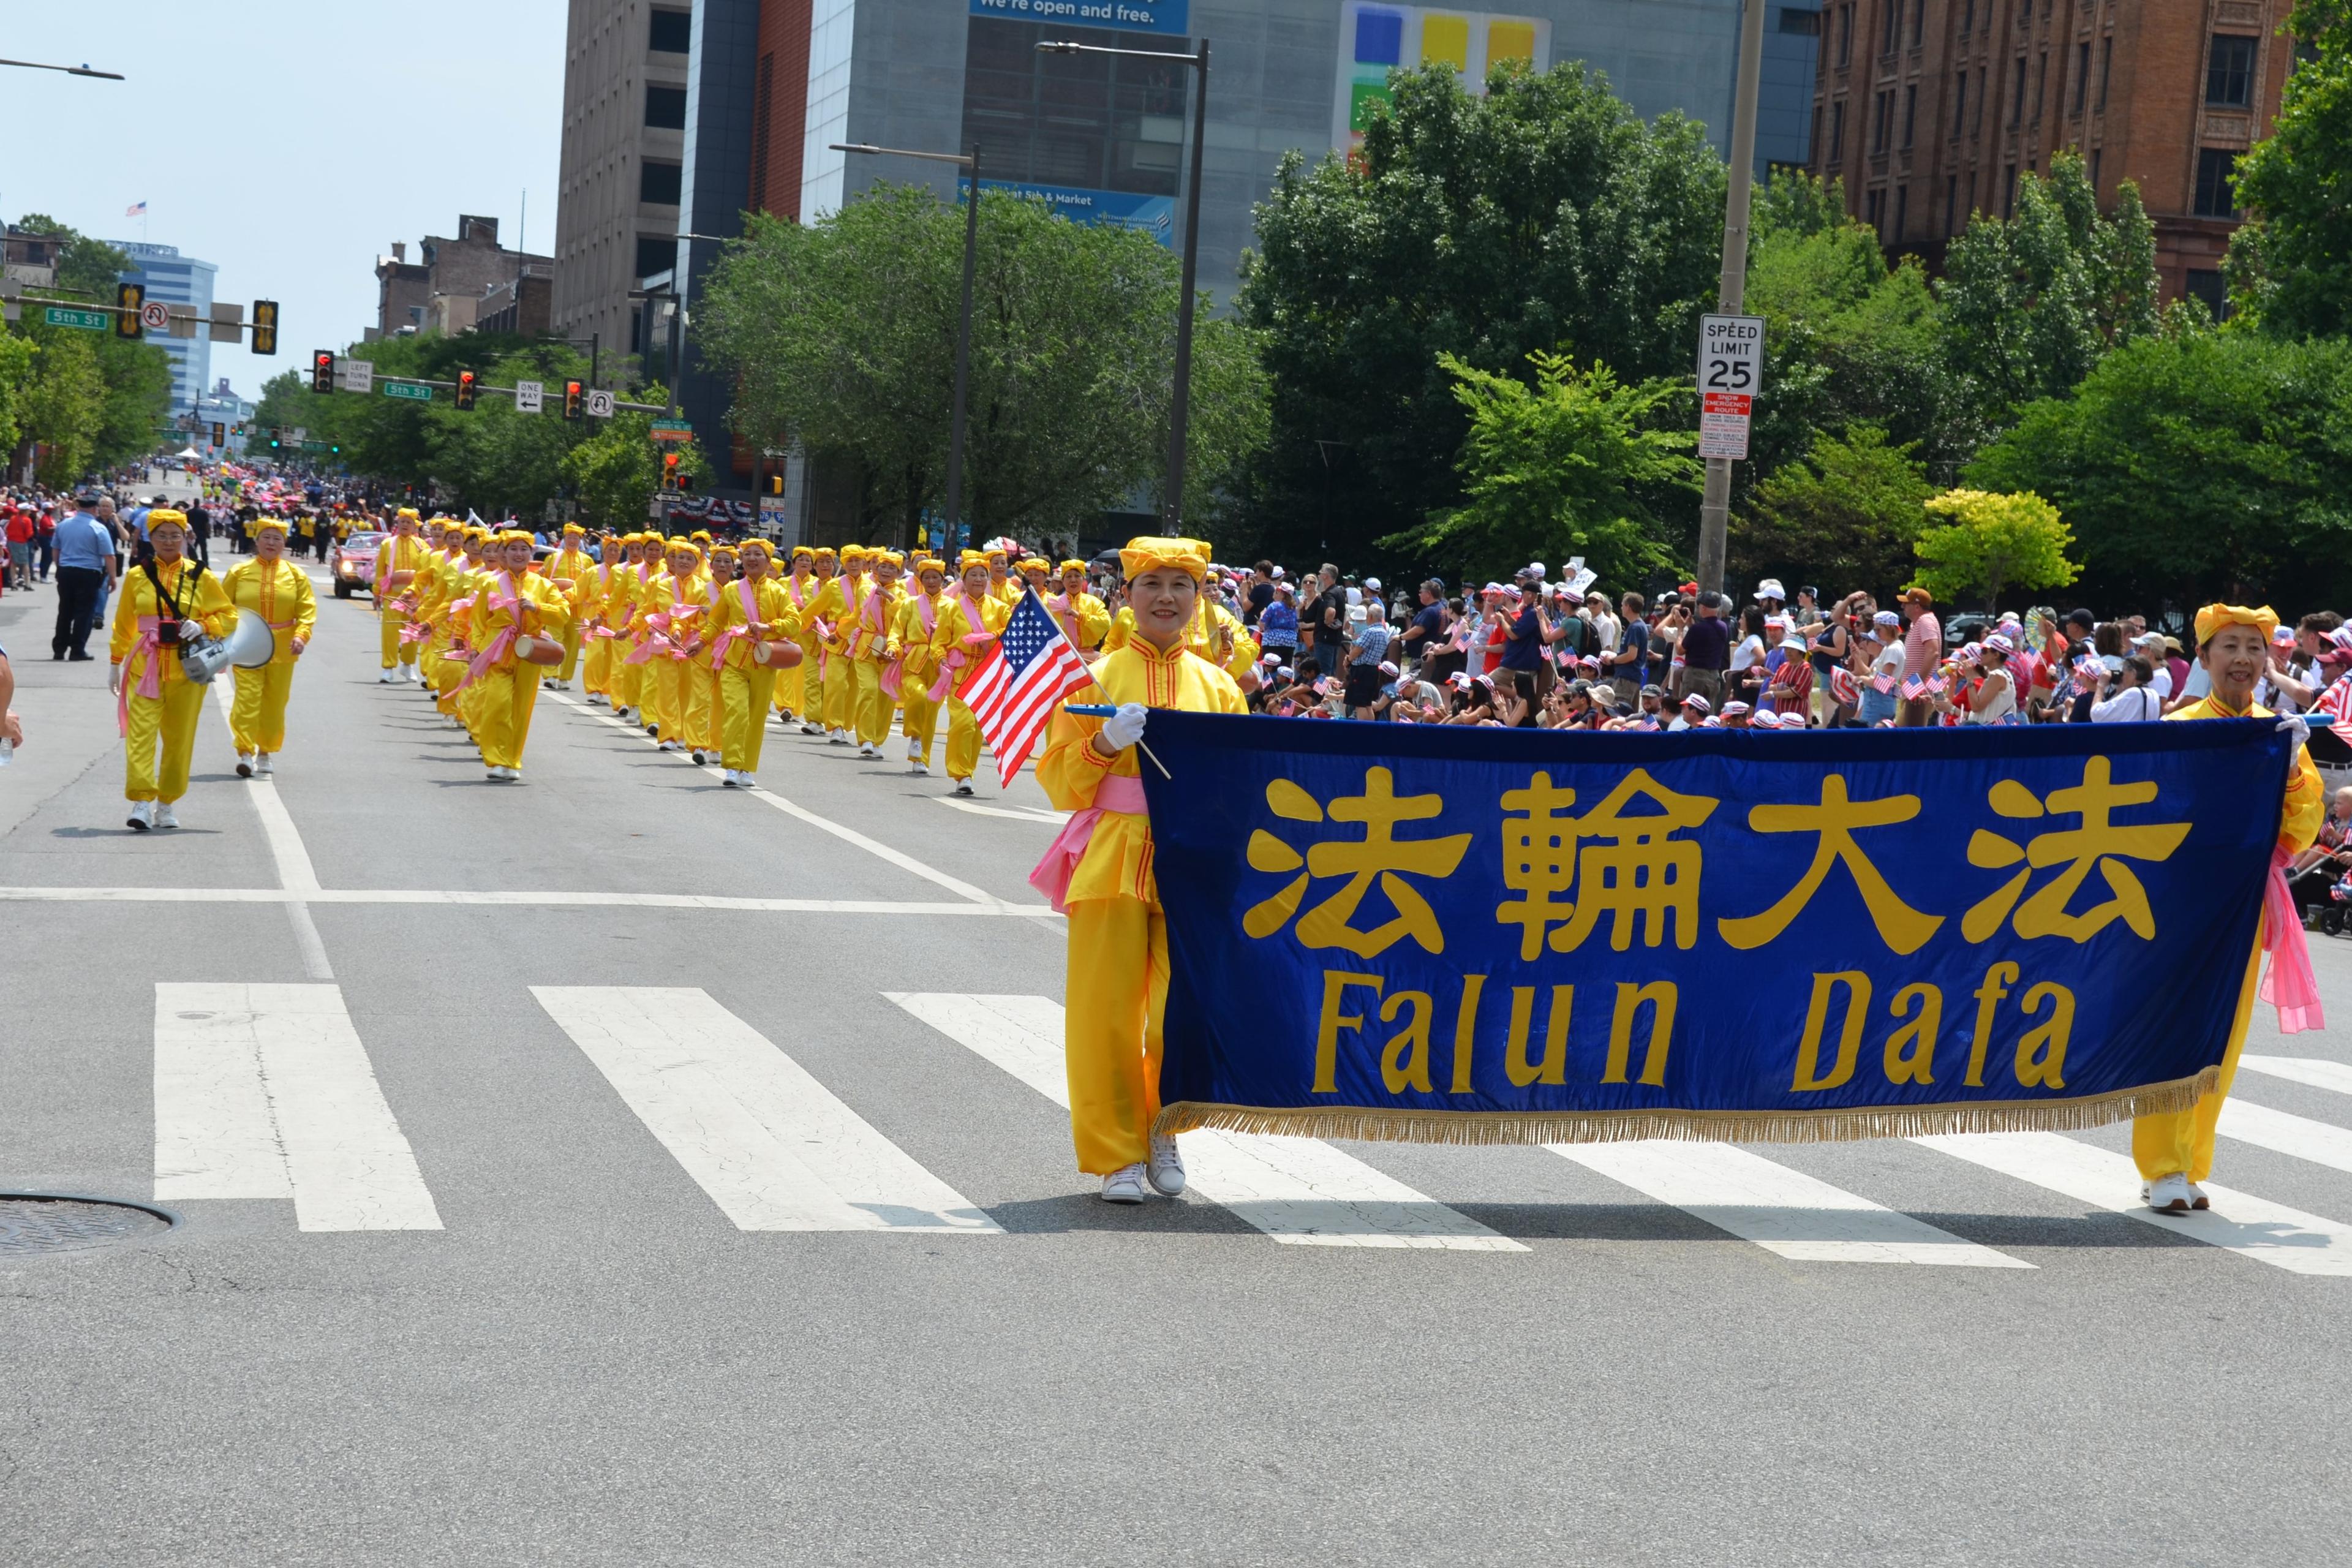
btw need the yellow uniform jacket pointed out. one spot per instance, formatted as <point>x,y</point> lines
<point>200,598</point>
<point>775,612</point>
<point>279,593</point>
<point>953,643</point>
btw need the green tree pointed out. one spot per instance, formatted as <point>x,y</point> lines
<point>65,405</point>
<point>1574,464</point>
<point>842,335</point>
<point>16,357</point>
<point>98,400</point>
<point>616,470</point>
<point>2033,302</point>
<point>2291,267</point>
<point>1845,515</point>
<point>1544,214</point>
<point>1989,541</point>
<point>2202,465</point>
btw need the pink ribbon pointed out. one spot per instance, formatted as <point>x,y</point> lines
<point>150,678</point>
<point>1121,793</point>
<point>734,635</point>
<point>2289,983</point>
<point>503,596</point>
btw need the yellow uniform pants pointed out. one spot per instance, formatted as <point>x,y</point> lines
<point>840,686</point>
<point>701,706</point>
<point>168,722</point>
<point>670,697</point>
<point>257,721</point>
<point>875,705</point>
<point>963,739</point>
<point>502,712</point>
<point>571,652</point>
<point>744,696</point>
<point>388,641</point>
<point>627,680</point>
<point>788,684</point>
<point>1118,996</point>
<point>920,720</point>
<point>446,673</point>
<point>598,676</point>
<point>2181,1141</point>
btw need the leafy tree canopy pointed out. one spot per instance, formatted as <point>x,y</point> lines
<point>2291,267</point>
<point>1983,542</point>
<point>1845,515</point>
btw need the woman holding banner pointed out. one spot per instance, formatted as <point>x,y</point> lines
<point>1098,872</point>
<point>2174,1150</point>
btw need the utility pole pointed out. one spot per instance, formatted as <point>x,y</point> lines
<point>1731,291</point>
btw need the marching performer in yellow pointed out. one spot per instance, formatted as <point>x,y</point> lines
<point>753,619</point>
<point>800,587</point>
<point>511,604</point>
<point>397,556</point>
<point>1003,586</point>
<point>836,602</point>
<point>2174,1150</point>
<point>969,619</point>
<point>1085,619</point>
<point>569,569</point>
<point>917,664</point>
<point>1098,872</point>
<point>276,591</point>
<point>588,615</point>
<point>873,649</point>
<point>1216,635</point>
<point>700,675</point>
<point>813,658</point>
<point>631,588</point>
<point>668,618</point>
<point>156,706</point>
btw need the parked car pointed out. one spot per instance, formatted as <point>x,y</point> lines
<point>352,561</point>
<point>1967,628</point>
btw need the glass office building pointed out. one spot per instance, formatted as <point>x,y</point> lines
<point>177,281</point>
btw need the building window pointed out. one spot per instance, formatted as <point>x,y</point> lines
<point>664,108</point>
<point>1973,195</point>
<point>1873,206</point>
<point>1951,203</point>
<point>2081,75</point>
<point>1968,15</point>
<point>762,124</point>
<point>2024,12</point>
<point>1792,20</point>
<point>1882,116</point>
<point>656,253</point>
<point>1960,103</point>
<point>1976,115</point>
<point>2106,65</point>
<point>673,33</point>
<point>2094,170</point>
<point>2041,82</point>
<point>660,184</point>
<point>2216,182</point>
<point>1902,211</point>
<point>2008,192</point>
<point>1846,36</point>
<point>1918,21</point>
<point>1910,112</point>
<point>1894,29</point>
<point>2017,96</point>
<point>2229,72</point>
<point>2206,287</point>
<point>1837,131</point>
<point>1813,144</point>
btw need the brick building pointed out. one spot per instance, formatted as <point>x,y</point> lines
<point>455,283</point>
<point>1931,110</point>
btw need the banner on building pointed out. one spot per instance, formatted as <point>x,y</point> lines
<point>1451,935</point>
<point>1173,17</point>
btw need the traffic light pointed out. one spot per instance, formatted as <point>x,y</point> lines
<point>273,437</point>
<point>467,382</point>
<point>575,400</point>
<point>775,484</point>
<point>220,433</point>
<point>264,326</point>
<point>669,470</point>
<point>322,372</point>
<point>128,298</point>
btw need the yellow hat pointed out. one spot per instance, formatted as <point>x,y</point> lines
<point>822,552</point>
<point>854,552</point>
<point>800,551</point>
<point>408,511</point>
<point>1190,556</point>
<point>702,536</point>
<point>886,558</point>
<point>477,535</point>
<point>1030,563</point>
<point>722,548</point>
<point>261,524</point>
<point>1069,566</point>
<point>165,517</point>
<point>759,544</point>
<point>968,560</point>
<point>515,536</point>
<point>572,528</point>
<point>2209,619</point>
<point>994,554</point>
<point>682,546</point>
<point>930,563</point>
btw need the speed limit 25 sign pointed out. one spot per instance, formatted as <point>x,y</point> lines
<point>1730,375</point>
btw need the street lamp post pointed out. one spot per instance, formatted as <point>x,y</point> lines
<point>69,70</point>
<point>1180,401</point>
<point>969,163</point>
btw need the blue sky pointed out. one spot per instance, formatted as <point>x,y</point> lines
<point>289,142</point>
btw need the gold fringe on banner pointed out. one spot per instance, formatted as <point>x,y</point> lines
<point>1371,1125</point>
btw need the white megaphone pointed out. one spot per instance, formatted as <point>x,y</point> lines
<point>249,644</point>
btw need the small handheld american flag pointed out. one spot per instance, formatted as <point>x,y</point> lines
<point>1913,688</point>
<point>1842,688</point>
<point>2335,706</point>
<point>1018,684</point>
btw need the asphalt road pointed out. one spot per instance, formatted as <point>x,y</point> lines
<point>618,1169</point>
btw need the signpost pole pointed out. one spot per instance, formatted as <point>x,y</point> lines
<point>1731,293</point>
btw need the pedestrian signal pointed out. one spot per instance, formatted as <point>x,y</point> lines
<point>322,372</point>
<point>467,382</point>
<point>264,326</point>
<point>575,400</point>
<point>128,298</point>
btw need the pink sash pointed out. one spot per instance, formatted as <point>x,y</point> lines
<point>960,656</point>
<point>150,679</point>
<point>502,595</point>
<point>1117,792</point>
<point>2288,985</point>
<point>734,635</point>
<point>894,678</point>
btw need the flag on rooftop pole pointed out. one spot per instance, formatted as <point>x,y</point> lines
<point>1018,684</point>
<point>136,209</point>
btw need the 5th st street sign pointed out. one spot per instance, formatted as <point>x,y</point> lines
<point>65,316</point>
<point>405,389</point>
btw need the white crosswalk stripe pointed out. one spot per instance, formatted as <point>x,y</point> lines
<point>1300,1191</point>
<point>774,1147</point>
<point>2317,1141</point>
<point>265,1091</point>
<point>2238,1222</point>
<point>1782,1211</point>
<point>2310,1070</point>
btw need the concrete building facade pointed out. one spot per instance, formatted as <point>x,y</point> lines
<point>179,281</point>
<point>1933,109</point>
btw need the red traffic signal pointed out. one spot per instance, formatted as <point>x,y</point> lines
<point>575,400</point>
<point>468,383</point>
<point>322,372</point>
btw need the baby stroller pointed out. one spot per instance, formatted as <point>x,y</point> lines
<point>2323,896</point>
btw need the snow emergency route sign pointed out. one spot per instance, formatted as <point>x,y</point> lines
<point>1730,375</point>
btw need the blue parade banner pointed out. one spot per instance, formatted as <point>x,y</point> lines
<point>1485,935</point>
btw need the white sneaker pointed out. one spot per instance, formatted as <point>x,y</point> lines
<point>669,746</point>
<point>1167,1166</point>
<point>245,764</point>
<point>142,815</point>
<point>920,770</point>
<point>745,781</point>
<point>964,786</point>
<point>809,729</point>
<point>387,679</point>
<point>2169,1195</point>
<point>595,700</point>
<point>867,750</point>
<point>2197,1198</point>
<point>262,765</point>
<point>726,779</point>
<point>1124,1186</point>
<point>165,816</point>
<point>699,758</point>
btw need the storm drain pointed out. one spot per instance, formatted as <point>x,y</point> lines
<point>35,1222</point>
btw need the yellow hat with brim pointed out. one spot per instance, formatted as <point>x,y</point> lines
<point>1031,564</point>
<point>1069,566</point>
<point>2209,619</point>
<point>408,511</point>
<point>804,553</point>
<point>1190,556</point>
<point>261,524</point>
<point>930,563</point>
<point>968,560</point>
<point>165,517</point>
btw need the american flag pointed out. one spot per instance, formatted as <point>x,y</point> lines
<point>1015,686</point>
<point>136,209</point>
<point>2334,705</point>
<point>1842,688</point>
<point>1914,688</point>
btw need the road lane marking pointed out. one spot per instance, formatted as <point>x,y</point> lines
<point>556,898</point>
<point>2238,1222</point>
<point>1783,1211</point>
<point>295,872</point>
<point>2316,1071</point>
<point>265,1091</point>
<point>874,846</point>
<point>1017,813</point>
<point>1299,1191</point>
<point>2317,1141</point>
<point>773,1148</point>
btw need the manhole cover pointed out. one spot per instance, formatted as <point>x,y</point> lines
<point>33,1222</point>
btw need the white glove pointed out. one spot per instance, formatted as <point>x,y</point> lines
<point>1124,728</point>
<point>2288,724</point>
